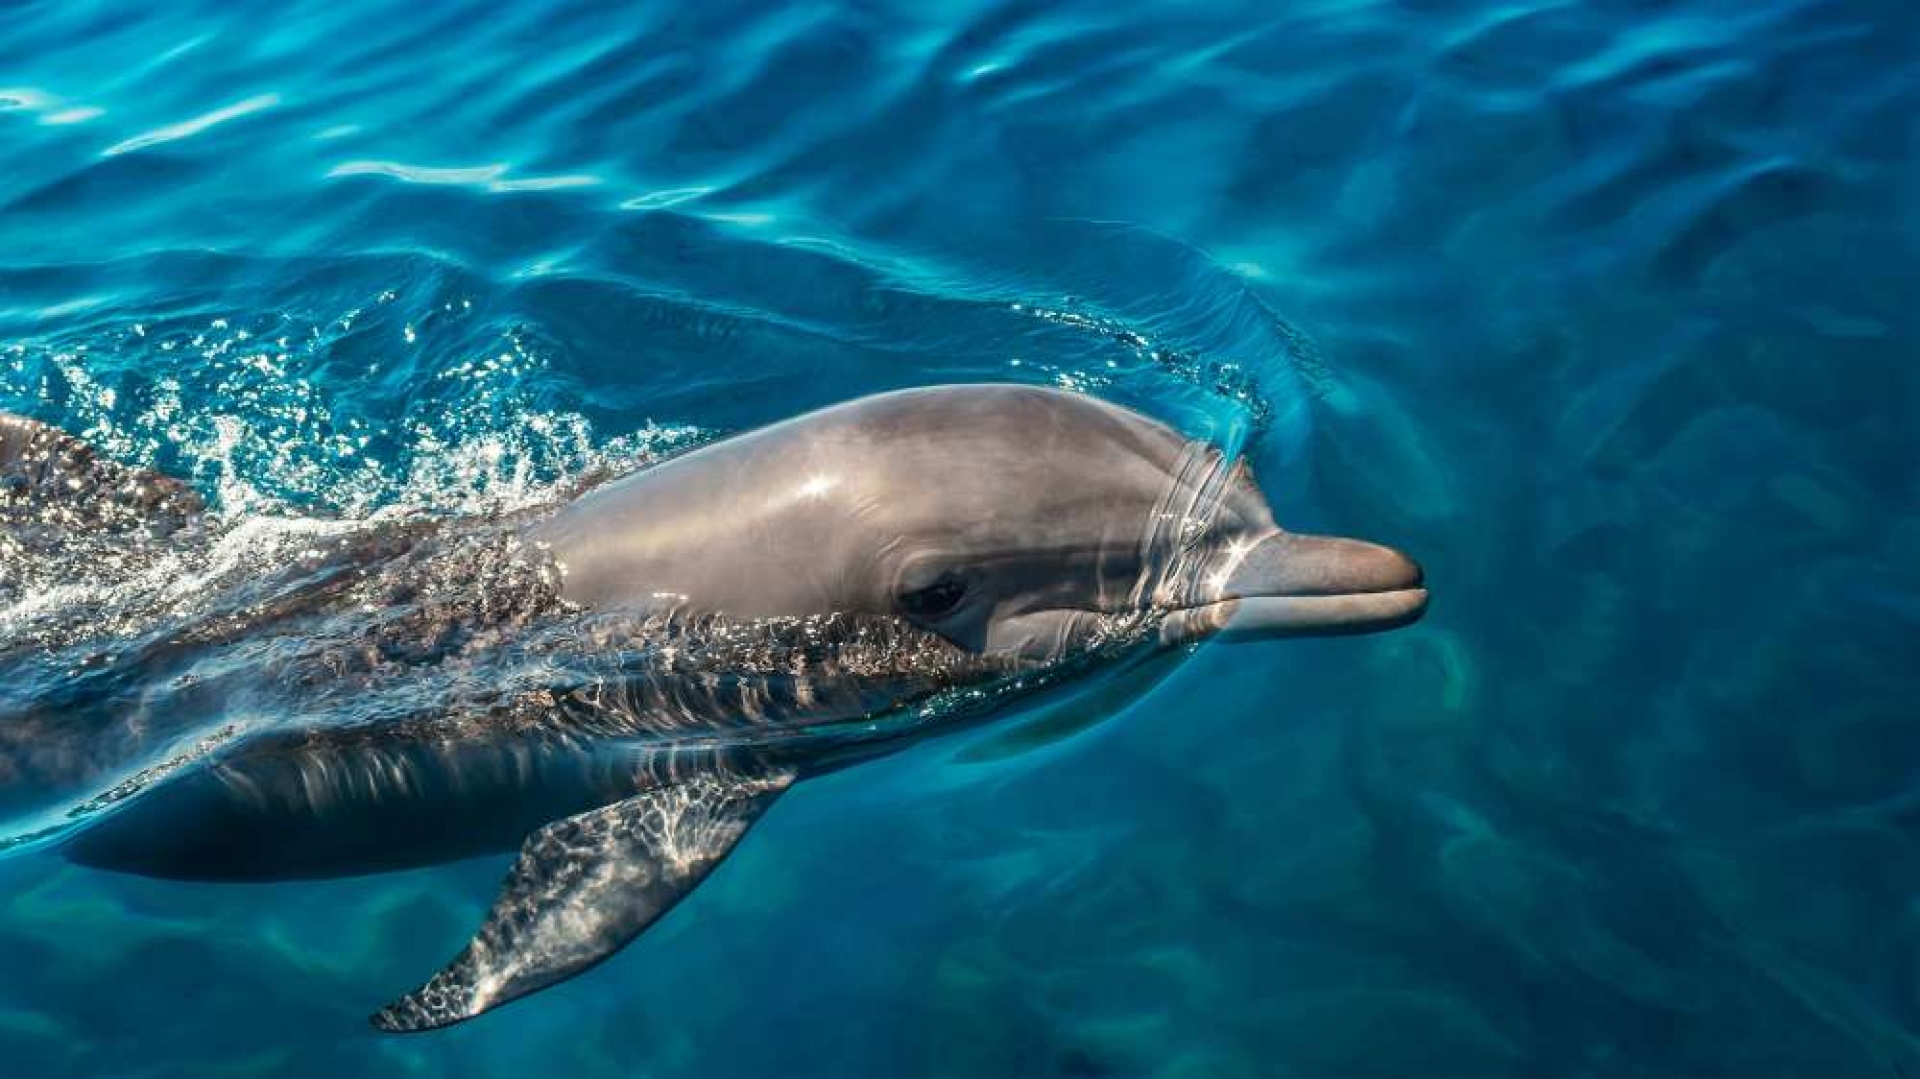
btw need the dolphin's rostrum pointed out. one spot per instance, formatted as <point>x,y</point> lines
<point>764,609</point>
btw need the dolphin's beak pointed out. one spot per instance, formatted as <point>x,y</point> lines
<point>1288,585</point>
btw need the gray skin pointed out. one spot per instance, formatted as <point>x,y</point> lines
<point>1008,537</point>
<point>1049,508</point>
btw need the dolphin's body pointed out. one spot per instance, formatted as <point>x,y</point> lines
<point>768,608</point>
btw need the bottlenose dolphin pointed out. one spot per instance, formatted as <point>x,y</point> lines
<point>716,627</point>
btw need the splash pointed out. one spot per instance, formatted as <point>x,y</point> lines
<point>289,461</point>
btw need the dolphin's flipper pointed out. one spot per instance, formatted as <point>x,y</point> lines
<point>584,886</point>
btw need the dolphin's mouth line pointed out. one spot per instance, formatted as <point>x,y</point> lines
<point>1241,618</point>
<point>1289,585</point>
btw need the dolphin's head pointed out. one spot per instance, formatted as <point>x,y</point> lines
<point>1012,521</point>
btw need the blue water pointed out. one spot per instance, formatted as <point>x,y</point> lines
<point>1604,310</point>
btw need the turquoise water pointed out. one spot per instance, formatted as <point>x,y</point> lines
<point>1604,310</point>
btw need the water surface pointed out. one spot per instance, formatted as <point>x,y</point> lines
<point>1604,310</point>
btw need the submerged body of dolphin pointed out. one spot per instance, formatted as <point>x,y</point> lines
<point>692,640</point>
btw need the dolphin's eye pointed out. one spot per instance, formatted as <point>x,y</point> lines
<point>935,600</point>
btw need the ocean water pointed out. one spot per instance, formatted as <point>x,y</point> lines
<point>1604,310</point>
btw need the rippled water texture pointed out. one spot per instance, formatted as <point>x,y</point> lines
<point>1605,310</point>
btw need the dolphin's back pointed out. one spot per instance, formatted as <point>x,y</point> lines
<point>51,481</point>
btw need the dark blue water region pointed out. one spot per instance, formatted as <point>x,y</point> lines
<point>1605,310</point>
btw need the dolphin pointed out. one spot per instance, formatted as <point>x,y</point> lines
<point>709,631</point>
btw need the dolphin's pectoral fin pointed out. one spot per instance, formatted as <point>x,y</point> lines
<point>584,886</point>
